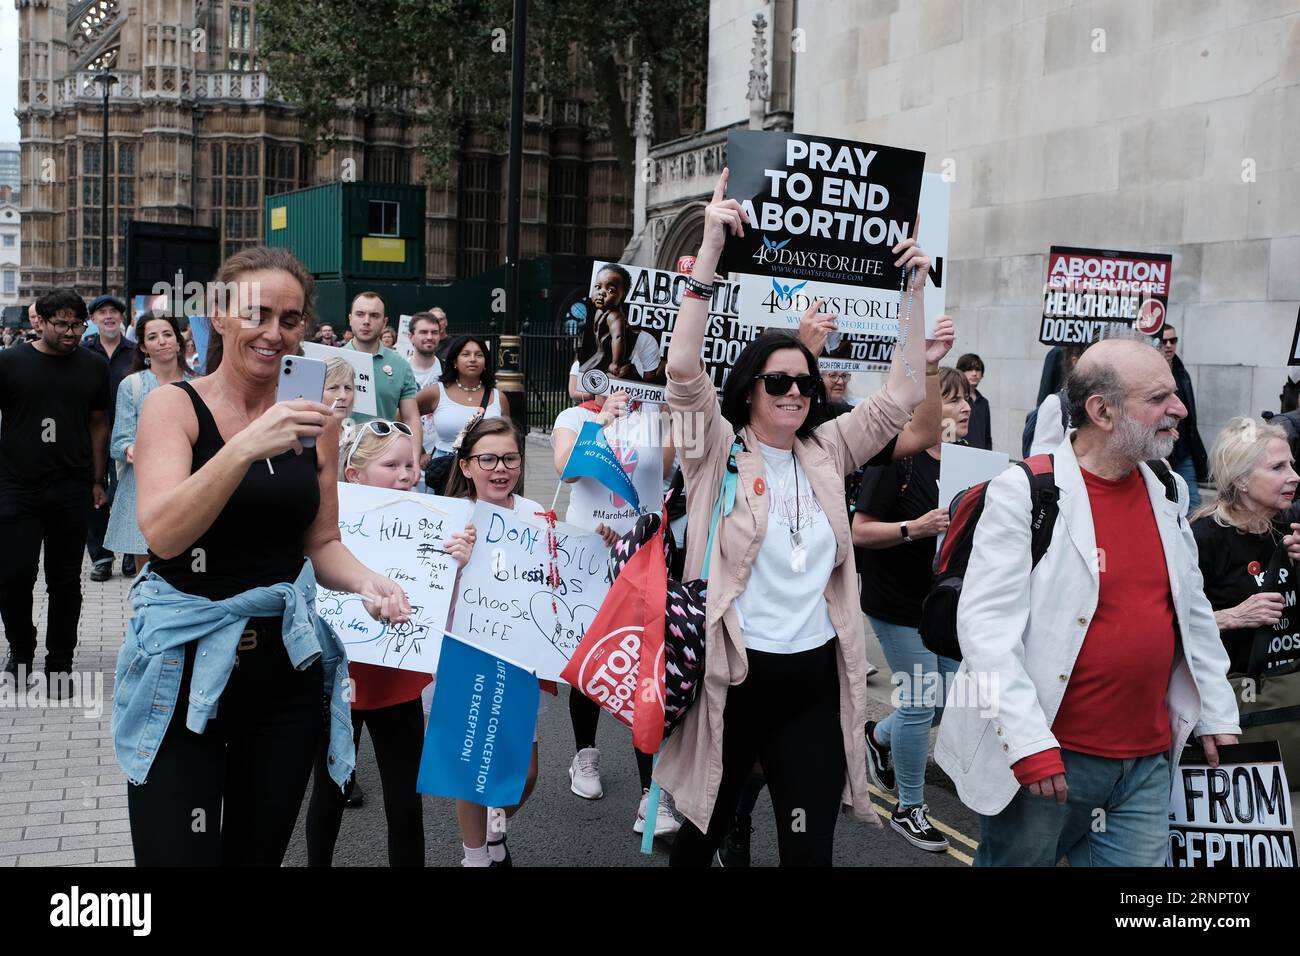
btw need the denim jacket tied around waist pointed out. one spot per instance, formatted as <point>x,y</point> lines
<point>152,659</point>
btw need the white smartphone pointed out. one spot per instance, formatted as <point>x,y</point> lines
<point>301,377</point>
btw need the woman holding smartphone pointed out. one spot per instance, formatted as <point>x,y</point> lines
<point>218,714</point>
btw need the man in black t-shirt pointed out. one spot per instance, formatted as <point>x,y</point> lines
<point>53,459</point>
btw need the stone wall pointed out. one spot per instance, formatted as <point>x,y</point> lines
<point>1173,130</point>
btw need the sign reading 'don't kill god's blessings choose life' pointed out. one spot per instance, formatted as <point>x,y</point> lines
<point>398,535</point>
<point>824,214</point>
<point>1089,290</point>
<point>503,599</point>
<point>1235,815</point>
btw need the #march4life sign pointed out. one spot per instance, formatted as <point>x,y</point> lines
<point>1088,290</point>
<point>824,214</point>
<point>1235,815</point>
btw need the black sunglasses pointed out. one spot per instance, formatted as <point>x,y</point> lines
<point>1173,340</point>
<point>778,383</point>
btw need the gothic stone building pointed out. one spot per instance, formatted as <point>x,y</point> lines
<point>198,136</point>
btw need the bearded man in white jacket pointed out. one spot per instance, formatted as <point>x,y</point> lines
<point>1098,665</point>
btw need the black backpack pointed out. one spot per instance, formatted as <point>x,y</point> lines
<point>939,609</point>
<point>1031,423</point>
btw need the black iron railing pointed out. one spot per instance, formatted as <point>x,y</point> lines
<point>547,359</point>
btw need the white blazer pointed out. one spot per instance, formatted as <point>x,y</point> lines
<point>1020,634</point>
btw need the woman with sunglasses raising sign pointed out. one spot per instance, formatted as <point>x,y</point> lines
<point>386,700</point>
<point>785,668</point>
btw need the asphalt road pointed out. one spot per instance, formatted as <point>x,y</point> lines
<point>558,828</point>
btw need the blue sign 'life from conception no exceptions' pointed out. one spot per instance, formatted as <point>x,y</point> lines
<point>479,741</point>
<point>593,458</point>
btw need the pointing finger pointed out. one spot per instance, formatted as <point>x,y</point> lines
<point>720,190</point>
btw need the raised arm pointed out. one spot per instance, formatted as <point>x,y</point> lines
<point>926,427</point>
<point>720,216</point>
<point>909,389</point>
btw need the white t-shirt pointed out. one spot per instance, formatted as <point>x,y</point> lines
<point>635,440</point>
<point>783,611</point>
<point>526,507</point>
<point>424,380</point>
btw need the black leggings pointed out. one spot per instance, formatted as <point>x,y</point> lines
<point>583,714</point>
<point>786,715</point>
<point>230,796</point>
<point>397,733</point>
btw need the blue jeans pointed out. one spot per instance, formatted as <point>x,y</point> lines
<point>1187,469</point>
<point>921,681</point>
<point>1117,814</point>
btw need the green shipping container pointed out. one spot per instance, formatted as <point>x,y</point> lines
<point>358,230</point>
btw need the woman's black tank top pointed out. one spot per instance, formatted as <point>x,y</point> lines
<point>257,538</point>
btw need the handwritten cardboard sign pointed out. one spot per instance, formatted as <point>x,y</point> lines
<point>398,534</point>
<point>503,600</point>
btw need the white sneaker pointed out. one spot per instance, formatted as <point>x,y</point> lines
<point>665,823</point>
<point>584,774</point>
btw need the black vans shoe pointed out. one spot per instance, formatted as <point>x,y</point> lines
<point>917,829</point>
<point>880,763</point>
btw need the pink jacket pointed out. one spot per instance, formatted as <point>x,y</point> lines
<point>690,767</point>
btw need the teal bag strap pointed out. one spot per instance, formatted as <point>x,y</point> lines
<point>726,502</point>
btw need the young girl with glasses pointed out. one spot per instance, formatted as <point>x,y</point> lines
<point>385,699</point>
<point>490,467</point>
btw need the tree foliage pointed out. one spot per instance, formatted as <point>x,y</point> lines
<point>445,64</point>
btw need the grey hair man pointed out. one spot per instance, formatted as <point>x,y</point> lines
<point>1104,659</point>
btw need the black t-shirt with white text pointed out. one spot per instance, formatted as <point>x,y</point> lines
<point>896,580</point>
<point>45,406</point>
<point>1226,556</point>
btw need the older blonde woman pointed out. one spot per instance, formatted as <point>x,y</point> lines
<point>1246,530</point>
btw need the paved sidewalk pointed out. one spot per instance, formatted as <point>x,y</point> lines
<point>62,797</point>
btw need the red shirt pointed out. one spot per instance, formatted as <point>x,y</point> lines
<point>375,687</point>
<point>1114,704</point>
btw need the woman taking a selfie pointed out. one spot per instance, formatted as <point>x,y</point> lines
<point>226,667</point>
